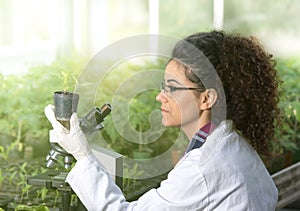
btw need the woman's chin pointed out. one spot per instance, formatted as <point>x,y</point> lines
<point>169,124</point>
<point>165,123</point>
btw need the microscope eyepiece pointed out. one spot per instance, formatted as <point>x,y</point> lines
<point>91,122</point>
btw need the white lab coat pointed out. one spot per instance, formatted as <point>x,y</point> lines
<point>224,174</point>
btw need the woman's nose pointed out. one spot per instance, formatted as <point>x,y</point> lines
<point>161,97</point>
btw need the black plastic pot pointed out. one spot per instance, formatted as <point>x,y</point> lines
<point>65,104</point>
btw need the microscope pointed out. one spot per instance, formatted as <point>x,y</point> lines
<point>55,179</point>
<point>89,124</point>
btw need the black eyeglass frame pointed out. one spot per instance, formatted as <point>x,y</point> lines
<point>174,88</point>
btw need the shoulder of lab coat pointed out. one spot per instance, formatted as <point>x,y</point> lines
<point>97,191</point>
<point>218,176</point>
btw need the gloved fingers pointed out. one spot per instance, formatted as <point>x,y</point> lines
<point>74,122</point>
<point>49,112</point>
<point>53,137</point>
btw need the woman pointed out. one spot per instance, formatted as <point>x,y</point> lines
<point>221,90</point>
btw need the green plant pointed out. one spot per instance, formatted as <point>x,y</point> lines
<point>135,112</point>
<point>42,193</point>
<point>2,177</point>
<point>40,207</point>
<point>25,190</point>
<point>12,176</point>
<point>130,176</point>
<point>56,197</point>
<point>288,137</point>
<point>5,150</point>
<point>139,114</point>
<point>74,200</point>
<point>68,78</point>
<point>24,98</point>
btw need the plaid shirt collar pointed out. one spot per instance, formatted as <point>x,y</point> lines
<point>200,137</point>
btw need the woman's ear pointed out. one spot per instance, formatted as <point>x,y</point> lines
<point>208,98</point>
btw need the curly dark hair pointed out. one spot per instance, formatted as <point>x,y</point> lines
<point>249,80</point>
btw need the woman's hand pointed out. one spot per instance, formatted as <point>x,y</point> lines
<point>73,140</point>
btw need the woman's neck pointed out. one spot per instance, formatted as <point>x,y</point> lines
<point>192,127</point>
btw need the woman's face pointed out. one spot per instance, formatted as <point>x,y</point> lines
<point>180,107</point>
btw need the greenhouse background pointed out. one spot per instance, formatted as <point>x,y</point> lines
<point>47,45</point>
<point>34,32</point>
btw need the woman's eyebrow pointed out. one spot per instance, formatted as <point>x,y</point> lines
<point>173,80</point>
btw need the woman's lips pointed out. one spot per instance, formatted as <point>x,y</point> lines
<point>164,110</point>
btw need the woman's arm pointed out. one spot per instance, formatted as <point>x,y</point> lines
<point>97,191</point>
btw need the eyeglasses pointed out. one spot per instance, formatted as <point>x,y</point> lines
<point>167,89</point>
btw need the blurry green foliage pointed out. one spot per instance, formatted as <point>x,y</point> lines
<point>133,113</point>
<point>24,97</point>
<point>288,137</point>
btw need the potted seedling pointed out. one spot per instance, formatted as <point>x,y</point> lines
<point>65,102</point>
